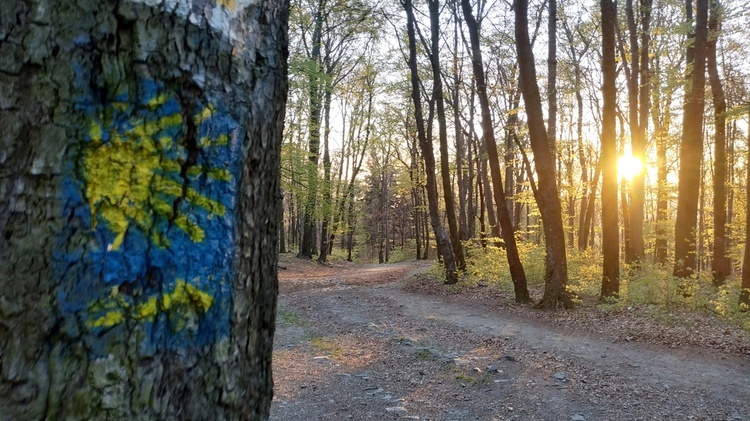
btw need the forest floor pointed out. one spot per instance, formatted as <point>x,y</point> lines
<point>386,342</point>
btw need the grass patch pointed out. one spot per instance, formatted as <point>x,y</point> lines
<point>326,345</point>
<point>472,379</point>
<point>425,354</point>
<point>289,318</point>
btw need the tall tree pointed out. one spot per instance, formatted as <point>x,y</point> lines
<point>128,160</point>
<point>638,86</point>
<point>720,262</point>
<point>552,78</point>
<point>745,285</point>
<point>443,241</point>
<point>610,227</point>
<point>437,95</point>
<point>315,82</point>
<point>556,276</point>
<point>691,147</point>
<point>509,237</point>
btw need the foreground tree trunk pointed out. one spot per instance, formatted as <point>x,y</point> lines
<point>556,277</point>
<point>140,180</point>
<point>691,148</point>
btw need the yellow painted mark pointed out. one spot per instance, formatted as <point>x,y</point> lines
<point>204,115</point>
<point>158,100</point>
<point>183,300</point>
<point>109,319</point>
<point>222,140</point>
<point>128,177</point>
<point>221,174</point>
<point>229,4</point>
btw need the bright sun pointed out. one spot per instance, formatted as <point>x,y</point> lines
<point>629,166</point>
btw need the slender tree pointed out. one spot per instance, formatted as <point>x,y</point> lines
<point>610,226</point>
<point>745,286</point>
<point>437,95</point>
<point>514,262</point>
<point>552,78</point>
<point>638,85</point>
<point>315,82</point>
<point>719,262</point>
<point>443,241</point>
<point>691,147</point>
<point>556,276</point>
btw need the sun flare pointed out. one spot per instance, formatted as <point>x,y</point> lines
<point>629,166</point>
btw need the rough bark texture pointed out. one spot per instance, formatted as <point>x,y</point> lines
<point>509,237</point>
<point>691,150</point>
<point>139,194</point>
<point>443,242</point>
<point>556,277</point>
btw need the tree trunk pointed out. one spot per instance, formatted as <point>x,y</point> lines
<point>552,79</point>
<point>327,195</point>
<point>588,222</point>
<point>437,90</point>
<point>314,81</point>
<point>464,186</point>
<point>610,228</point>
<point>140,221</point>
<point>719,263</point>
<point>282,226</point>
<point>638,98</point>
<point>556,277</point>
<point>444,243</point>
<point>745,286</point>
<point>514,262</point>
<point>691,149</point>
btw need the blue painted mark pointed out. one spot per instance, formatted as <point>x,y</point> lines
<point>150,242</point>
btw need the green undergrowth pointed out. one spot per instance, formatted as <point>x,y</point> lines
<point>650,287</point>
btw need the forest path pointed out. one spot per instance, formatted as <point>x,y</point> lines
<point>351,343</point>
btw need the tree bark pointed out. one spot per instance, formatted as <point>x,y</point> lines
<point>514,262</point>
<point>552,79</point>
<point>719,262</point>
<point>140,168</point>
<point>691,149</point>
<point>437,90</point>
<point>556,277</point>
<point>661,117</point>
<point>327,194</point>
<point>745,286</point>
<point>638,98</point>
<point>314,82</point>
<point>443,241</point>
<point>610,226</point>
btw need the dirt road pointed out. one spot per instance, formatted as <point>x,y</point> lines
<point>351,343</point>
